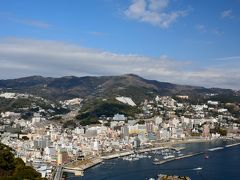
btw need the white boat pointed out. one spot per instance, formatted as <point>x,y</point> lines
<point>168,157</point>
<point>197,169</point>
<point>135,159</point>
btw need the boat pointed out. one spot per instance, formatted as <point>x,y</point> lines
<point>135,159</point>
<point>168,157</point>
<point>198,168</point>
<point>206,156</point>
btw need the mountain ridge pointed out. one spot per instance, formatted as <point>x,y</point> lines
<point>102,86</point>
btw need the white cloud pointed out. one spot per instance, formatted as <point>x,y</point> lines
<point>155,5</point>
<point>153,12</point>
<point>227,14</point>
<point>204,29</point>
<point>35,23</point>
<point>25,57</point>
<point>231,58</point>
<point>96,33</point>
<point>25,21</point>
<point>201,28</point>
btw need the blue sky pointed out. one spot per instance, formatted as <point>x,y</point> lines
<point>180,41</point>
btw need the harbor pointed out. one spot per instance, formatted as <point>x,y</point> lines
<point>139,151</point>
<point>196,167</point>
<point>167,154</point>
<point>193,154</point>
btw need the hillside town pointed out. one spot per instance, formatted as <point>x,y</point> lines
<point>42,141</point>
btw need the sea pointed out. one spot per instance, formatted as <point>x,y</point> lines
<point>220,164</point>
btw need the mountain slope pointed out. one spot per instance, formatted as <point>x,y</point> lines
<point>104,86</point>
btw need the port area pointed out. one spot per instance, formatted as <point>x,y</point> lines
<point>79,166</point>
<point>139,151</point>
<point>194,154</point>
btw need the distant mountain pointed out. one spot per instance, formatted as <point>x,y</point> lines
<point>130,85</point>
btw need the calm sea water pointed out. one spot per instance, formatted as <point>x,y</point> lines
<point>221,165</point>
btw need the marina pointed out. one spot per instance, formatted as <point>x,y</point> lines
<point>139,164</point>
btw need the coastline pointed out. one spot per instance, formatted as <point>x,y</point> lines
<point>163,145</point>
<point>160,146</point>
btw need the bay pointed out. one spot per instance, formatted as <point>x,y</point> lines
<point>221,165</point>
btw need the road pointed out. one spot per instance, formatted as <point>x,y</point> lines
<point>58,174</point>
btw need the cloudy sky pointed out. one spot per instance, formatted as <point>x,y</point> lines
<point>185,42</point>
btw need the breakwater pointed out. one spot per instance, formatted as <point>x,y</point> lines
<point>194,154</point>
<point>177,158</point>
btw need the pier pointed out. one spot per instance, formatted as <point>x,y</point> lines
<point>76,171</point>
<point>178,158</point>
<point>116,155</point>
<point>195,154</point>
<point>230,145</point>
<point>76,167</point>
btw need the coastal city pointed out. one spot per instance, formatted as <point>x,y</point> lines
<point>119,90</point>
<point>52,140</point>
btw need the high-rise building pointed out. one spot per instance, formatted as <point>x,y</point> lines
<point>62,157</point>
<point>124,131</point>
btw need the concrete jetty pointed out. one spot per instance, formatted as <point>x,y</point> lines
<point>230,145</point>
<point>177,158</point>
<point>194,154</point>
<point>78,167</point>
<point>116,155</point>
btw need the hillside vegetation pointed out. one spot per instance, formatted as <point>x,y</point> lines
<point>129,85</point>
<point>91,111</point>
<point>12,168</point>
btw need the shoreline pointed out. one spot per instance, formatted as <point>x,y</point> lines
<point>163,145</point>
<point>196,154</point>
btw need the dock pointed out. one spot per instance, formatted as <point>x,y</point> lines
<point>230,145</point>
<point>76,167</point>
<point>195,154</point>
<point>116,155</point>
<point>178,158</point>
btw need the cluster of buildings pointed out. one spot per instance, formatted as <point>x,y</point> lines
<point>44,143</point>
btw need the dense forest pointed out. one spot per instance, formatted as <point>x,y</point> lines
<point>12,168</point>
